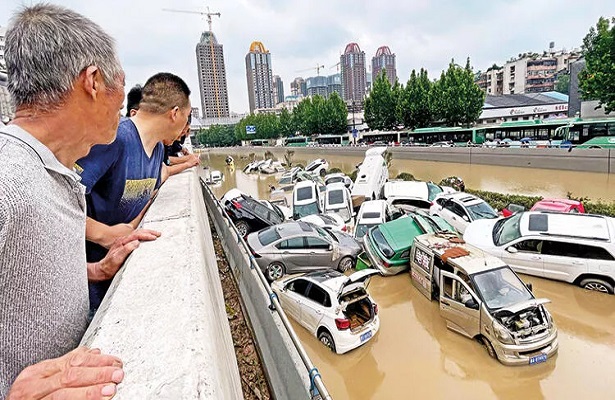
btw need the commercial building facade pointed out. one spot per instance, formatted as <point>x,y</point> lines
<point>259,76</point>
<point>384,60</point>
<point>353,74</point>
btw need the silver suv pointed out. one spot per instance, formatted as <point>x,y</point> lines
<point>575,248</point>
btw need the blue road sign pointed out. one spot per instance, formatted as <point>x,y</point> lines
<point>250,130</point>
<point>355,133</point>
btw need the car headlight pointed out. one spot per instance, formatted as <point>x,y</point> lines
<point>502,333</point>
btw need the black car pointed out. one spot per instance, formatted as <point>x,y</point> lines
<point>249,214</point>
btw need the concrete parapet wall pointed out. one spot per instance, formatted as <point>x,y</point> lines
<point>164,314</point>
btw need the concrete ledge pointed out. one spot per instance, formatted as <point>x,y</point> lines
<point>164,315</point>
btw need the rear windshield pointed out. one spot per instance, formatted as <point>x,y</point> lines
<point>336,197</point>
<point>382,243</point>
<point>369,215</point>
<point>335,180</point>
<point>362,229</point>
<point>268,236</point>
<point>433,190</point>
<point>304,193</point>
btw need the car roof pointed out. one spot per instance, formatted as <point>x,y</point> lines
<point>582,226</point>
<point>474,262</point>
<point>305,184</point>
<point>464,198</point>
<point>399,233</point>
<point>415,189</point>
<point>372,206</point>
<point>336,186</point>
<point>292,228</point>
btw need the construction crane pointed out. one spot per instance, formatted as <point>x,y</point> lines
<point>317,68</point>
<point>208,14</point>
<point>336,66</point>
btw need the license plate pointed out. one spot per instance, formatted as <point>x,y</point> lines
<point>366,336</point>
<point>538,359</point>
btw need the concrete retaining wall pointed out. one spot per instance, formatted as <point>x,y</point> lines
<point>586,160</point>
<point>164,315</point>
<point>288,377</point>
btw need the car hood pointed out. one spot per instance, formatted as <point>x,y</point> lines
<point>347,242</point>
<point>515,308</point>
<point>479,233</point>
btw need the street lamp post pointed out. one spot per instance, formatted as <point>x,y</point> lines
<point>354,138</point>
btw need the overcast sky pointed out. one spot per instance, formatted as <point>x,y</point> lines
<point>302,34</point>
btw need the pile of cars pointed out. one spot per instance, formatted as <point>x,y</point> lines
<point>458,250</point>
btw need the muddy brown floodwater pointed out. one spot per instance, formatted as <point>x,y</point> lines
<point>415,356</point>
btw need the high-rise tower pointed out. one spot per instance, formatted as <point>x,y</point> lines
<point>212,77</point>
<point>352,64</point>
<point>259,76</point>
<point>384,60</point>
<point>278,90</point>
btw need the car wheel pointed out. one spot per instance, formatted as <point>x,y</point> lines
<point>345,264</point>
<point>597,285</point>
<point>489,347</point>
<point>274,271</point>
<point>242,227</point>
<point>326,339</point>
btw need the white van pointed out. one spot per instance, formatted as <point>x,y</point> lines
<point>372,175</point>
<point>307,199</point>
<point>338,201</point>
<point>373,213</point>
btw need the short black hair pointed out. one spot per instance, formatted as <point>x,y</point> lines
<point>133,99</point>
<point>164,91</point>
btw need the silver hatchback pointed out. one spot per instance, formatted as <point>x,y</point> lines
<point>298,246</point>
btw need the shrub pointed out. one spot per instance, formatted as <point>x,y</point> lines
<point>406,176</point>
<point>455,182</point>
<point>334,171</point>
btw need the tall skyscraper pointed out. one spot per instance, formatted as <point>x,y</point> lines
<point>317,85</point>
<point>384,59</point>
<point>334,84</point>
<point>352,64</point>
<point>212,77</point>
<point>259,76</point>
<point>298,87</point>
<point>278,90</point>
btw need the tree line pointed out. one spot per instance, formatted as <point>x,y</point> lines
<point>454,99</point>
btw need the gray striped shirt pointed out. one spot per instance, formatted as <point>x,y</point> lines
<point>43,274</point>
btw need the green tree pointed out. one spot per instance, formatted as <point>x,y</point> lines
<point>267,127</point>
<point>461,99</point>
<point>337,114</point>
<point>597,80</point>
<point>380,105</point>
<point>287,126</point>
<point>437,102</point>
<point>317,115</point>
<point>218,136</point>
<point>415,108</point>
<point>563,84</point>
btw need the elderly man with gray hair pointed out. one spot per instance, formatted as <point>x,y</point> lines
<point>68,87</point>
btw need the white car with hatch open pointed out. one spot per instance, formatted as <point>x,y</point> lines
<point>332,306</point>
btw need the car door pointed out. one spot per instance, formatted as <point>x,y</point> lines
<point>421,268</point>
<point>524,256</point>
<point>313,308</point>
<point>293,297</point>
<point>454,214</point>
<point>295,254</point>
<point>454,295</point>
<point>319,255</point>
<point>563,260</point>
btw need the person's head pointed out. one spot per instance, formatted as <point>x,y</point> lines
<point>61,63</point>
<point>186,131</point>
<point>133,99</point>
<point>166,95</point>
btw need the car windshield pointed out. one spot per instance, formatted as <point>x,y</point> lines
<point>382,243</point>
<point>344,213</point>
<point>362,229</point>
<point>506,230</point>
<point>268,236</point>
<point>481,210</point>
<point>335,179</point>
<point>286,179</point>
<point>304,193</point>
<point>305,210</point>
<point>433,191</point>
<point>501,288</point>
<point>336,196</point>
<point>370,215</point>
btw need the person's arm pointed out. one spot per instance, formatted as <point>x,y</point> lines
<point>106,268</point>
<point>191,161</point>
<point>81,374</point>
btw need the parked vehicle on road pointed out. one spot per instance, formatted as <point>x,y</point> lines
<point>559,205</point>
<point>335,308</point>
<point>373,213</point>
<point>388,245</point>
<point>297,246</point>
<point>574,248</point>
<point>318,167</point>
<point>372,175</point>
<point>415,193</point>
<point>459,209</point>
<point>443,144</point>
<point>338,201</point>
<point>307,199</point>
<point>482,298</point>
<point>326,221</point>
<point>249,214</point>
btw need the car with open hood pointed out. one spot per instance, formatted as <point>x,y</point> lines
<point>335,308</point>
<point>298,246</point>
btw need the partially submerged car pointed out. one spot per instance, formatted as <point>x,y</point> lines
<point>387,246</point>
<point>414,193</point>
<point>338,201</point>
<point>459,209</point>
<point>298,246</point>
<point>338,177</point>
<point>249,214</point>
<point>307,199</point>
<point>333,307</point>
<point>373,213</point>
<point>317,167</point>
<point>482,298</point>
<point>559,205</point>
<point>214,177</point>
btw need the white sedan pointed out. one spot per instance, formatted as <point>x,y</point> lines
<point>332,306</point>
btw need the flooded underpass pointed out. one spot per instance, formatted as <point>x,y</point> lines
<point>414,355</point>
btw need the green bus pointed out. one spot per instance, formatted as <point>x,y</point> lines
<point>457,135</point>
<point>589,133</point>
<point>259,142</point>
<point>296,141</point>
<point>335,140</point>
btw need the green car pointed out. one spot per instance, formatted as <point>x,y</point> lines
<point>387,246</point>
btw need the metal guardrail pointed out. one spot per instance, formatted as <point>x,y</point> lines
<point>222,221</point>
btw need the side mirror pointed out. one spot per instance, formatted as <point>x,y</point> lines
<point>512,249</point>
<point>530,286</point>
<point>471,304</point>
